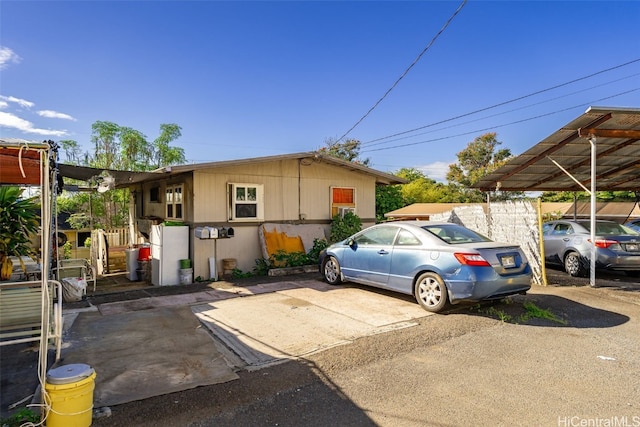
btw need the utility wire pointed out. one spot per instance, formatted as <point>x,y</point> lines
<point>379,142</point>
<point>502,125</point>
<point>405,71</point>
<point>502,103</point>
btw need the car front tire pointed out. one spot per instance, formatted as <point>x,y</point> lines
<point>331,271</point>
<point>573,265</point>
<point>431,292</point>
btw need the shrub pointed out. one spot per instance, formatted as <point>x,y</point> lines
<point>345,226</point>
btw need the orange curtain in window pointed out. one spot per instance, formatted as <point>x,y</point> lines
<point>343,195</point>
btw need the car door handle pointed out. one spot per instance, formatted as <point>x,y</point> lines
<point>383,252</point>
<point>566,239</point>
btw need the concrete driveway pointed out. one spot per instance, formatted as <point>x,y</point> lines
<point>295,319</point>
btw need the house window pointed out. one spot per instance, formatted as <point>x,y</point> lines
<point>174,201</point>
<point>343,200</point>
<point>82,238</point>
<point>245,202</point>
<point>154,195</point>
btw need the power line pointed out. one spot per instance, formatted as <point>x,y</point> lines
<point>380,142</point>
<point>502,125</point>
<point>405,71</point>
<point>503,103</point>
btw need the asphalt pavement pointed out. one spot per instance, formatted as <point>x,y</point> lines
<point>286,319</point>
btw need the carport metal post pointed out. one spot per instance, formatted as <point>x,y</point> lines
<point>592,266</point>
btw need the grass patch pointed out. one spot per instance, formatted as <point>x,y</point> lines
<point>516,313</point>
<point>500,314</point>
<point>533,311</point>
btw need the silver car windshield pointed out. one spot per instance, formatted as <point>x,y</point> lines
<point>454,234</point>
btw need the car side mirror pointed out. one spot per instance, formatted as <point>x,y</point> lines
<point>351,242</point>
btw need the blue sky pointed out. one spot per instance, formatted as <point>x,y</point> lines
<point>250,79</point>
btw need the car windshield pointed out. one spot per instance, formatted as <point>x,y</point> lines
<point>455,234</point>
<point>610,228</point>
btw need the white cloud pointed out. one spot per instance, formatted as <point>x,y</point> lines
<point>55,115</point>
<point>4,104</point>
<point>21,102</point>
<point>12,121</point>
<point>436,170</point>
<point>8,56</point>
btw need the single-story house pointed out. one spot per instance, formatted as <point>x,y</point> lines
<point>306,188</point>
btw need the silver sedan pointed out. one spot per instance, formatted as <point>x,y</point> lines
<point>568,243</point>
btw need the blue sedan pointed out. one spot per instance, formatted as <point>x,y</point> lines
<point>438,263</point>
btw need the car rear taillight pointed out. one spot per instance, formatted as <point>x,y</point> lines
<point>471,259</point>
<point>604,244</point>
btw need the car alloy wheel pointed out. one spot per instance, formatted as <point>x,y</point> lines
<point>431,292</point>
<point>573,264</point>
<point>331,270</point>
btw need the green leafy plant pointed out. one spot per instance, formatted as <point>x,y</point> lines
<point>262,267</point>
<point>344,226</point>
<point>66,250</point>
<point>19,221</point>
<point>236,273</point>
<point>501,315</point>
<point>533,311</point>
<point>314,253</point>
<point>22,416</point>
<point>289,259</point>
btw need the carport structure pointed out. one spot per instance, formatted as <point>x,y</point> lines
<point>598,151</point>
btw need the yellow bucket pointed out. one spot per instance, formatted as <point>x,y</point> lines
<point>70,395</point>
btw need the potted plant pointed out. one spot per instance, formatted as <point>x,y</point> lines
<point>19,221</point>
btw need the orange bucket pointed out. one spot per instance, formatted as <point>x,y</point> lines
<point>144,254</point>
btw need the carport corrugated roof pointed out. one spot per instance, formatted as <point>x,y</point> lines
<point>617,134</point>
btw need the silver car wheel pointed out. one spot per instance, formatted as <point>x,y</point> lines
<point>431,292</point>
<point>331,270</point>
<point>573,265</point>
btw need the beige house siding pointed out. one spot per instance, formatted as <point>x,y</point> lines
<point>285,182</point>
<point>295,190</point>
<point>244,248</point>
<point>282,190</point>
<point>158,209</point>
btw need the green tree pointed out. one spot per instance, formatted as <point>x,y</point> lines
<point>388,198</point>
<point>135,152</point>
<point>479,158</point>
<point>421,188</point>
<point>104,136</point>
<point>348,150</point>
<point>73,152</point>
<point>119,148</point>
<point>124,148</point>
<point>583,196</point>
<point>164,155</point>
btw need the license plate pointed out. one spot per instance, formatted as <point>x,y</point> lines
<point>632,247</point>
<point>508,261</point>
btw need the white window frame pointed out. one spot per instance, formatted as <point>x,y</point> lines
<point>170,192</point>
<point>253,195</point>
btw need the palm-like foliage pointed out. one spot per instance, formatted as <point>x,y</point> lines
<point>19,221</point>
